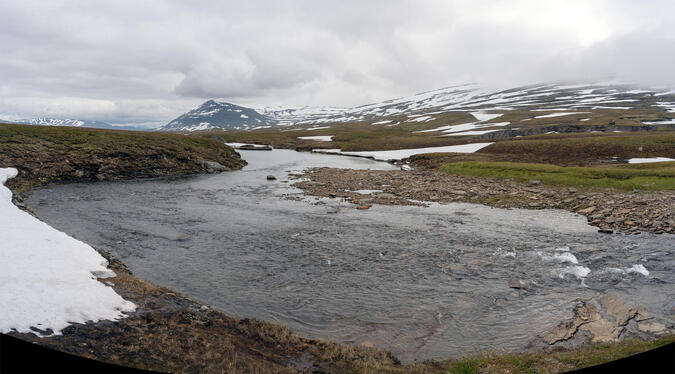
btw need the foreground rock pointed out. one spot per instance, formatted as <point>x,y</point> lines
<point>607,322</point>
<point>610,211</point>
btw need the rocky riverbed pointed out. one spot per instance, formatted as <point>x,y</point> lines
<point>629,212</point>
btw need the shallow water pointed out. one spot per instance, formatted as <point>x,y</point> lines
<point>423,282</point>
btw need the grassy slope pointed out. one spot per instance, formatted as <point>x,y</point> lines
<point>651,176</point>
<point>555,361</point>
<point>50,154</point>
<point>363,136</point>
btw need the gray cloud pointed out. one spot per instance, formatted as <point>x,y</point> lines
<point>130,61</point>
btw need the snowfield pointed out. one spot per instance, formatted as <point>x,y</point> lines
<point>48,279</point>
<point>398,154</point>
<point>639,160</point>
<point>320,138</point>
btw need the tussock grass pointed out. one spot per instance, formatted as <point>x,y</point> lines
<point>553,361</point>
<point>651,176</point>
<point>45,154</point>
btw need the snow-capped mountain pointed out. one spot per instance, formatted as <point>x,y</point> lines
<point>218,114</point>
<point>47,121</point>
<point>472,97</point>
<point>426,106</point>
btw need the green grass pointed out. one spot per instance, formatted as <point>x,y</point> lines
<point>553,361</point>
<point>45,154</point>
<point>589,145</point>
<point>651,176</point>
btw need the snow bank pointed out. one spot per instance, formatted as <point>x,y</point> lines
<point>48,279</point>
<point>236,145</point>
<point>650,159</point>
<point>321,138</point>
<point>399,154</point>
<point>559,114</point>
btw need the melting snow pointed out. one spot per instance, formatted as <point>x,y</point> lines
<point>48,278</point>
<point>559,114</point>
<point>650,159</point>
<point>482,116</point>
<point>399,154</point>
<point>476,132</point>
<point>321,138</point>
<point>381,122</point>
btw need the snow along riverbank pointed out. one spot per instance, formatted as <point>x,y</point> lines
<point>47,278</point>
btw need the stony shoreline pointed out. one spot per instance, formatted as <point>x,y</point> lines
<point>610,211</point>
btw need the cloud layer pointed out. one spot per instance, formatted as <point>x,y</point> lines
<point>131,62</point>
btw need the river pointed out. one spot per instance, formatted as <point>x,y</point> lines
<point>423,282</point>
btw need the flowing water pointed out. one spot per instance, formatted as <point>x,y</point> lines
<point>424,282</point>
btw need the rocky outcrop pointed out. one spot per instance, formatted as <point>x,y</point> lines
<point>607,323</point>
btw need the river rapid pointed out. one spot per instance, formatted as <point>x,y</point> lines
<point>424,282</point>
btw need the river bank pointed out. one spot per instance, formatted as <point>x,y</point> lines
<point>630,212</point>
<point>170,332</point>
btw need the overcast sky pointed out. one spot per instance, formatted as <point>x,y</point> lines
<point>149,61</point>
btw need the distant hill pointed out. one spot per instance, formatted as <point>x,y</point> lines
<point>47,121</point>
<point>217,114</point>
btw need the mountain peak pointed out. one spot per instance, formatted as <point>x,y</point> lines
<point>219,114</point>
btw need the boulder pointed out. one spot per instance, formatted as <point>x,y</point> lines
<point>271,177</point>
<point>519,284</point>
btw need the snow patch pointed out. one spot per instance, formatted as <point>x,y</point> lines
<point>398,154</point>
<point>48,278</point>
<point>649,159</point>
<point>559,114</point>
<point>320,138</point>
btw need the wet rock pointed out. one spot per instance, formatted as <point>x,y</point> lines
<point>181,237</point>
<point>271,177</point>
<point>603,331</point>
<point>641,314</point>
<point>588,210</point>
<point>605,230</point>
<point>618,309</point>
<point>364,207</point>
<point>519,284</point>
<point>651,327</point>
<point>212,166</point>
<point>583,313</point>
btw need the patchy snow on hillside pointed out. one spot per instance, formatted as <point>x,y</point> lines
<point>398,154</point>
<point>559,114</point>
<point>47,278</point>
<point>650,159</point>
<point>482,116</point>
<point>320,138</point>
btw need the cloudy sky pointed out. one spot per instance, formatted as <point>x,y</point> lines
<point>149,61</point>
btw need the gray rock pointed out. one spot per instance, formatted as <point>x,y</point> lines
<point>656,328</point>
<point>212,166</point>
<point>519,284</point>
<point>271,177</point>
<point>534,182</point>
